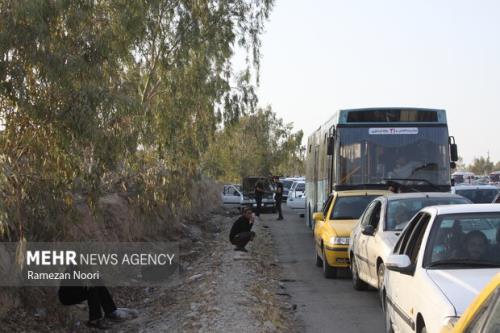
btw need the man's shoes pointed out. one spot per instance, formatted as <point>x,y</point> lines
<point>280,218</point>
<point>100,324</point>
<point>117,315</point>
<point>242,249</point>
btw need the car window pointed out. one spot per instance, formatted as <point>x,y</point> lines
<point>351,207</point>
<point>403,238</point>
<point>467,240</point>
<point>400,211</point>
<point>233,191</point>
<point>413,247</point>
<point>479,195</point>
<point>300,187</point>
<point>365,218</point>
<point>375,217</point>
<point>487,319</point>
<point>326,205</point>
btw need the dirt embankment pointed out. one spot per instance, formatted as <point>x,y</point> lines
<point>219,290</point>
<point>117,219</point>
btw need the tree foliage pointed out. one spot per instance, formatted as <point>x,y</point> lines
<point>259,144</point>
<point>104,95</point>
<point>482,166</point>
<point>479,166</point>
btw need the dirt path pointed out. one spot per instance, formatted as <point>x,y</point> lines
<point>221,290</point>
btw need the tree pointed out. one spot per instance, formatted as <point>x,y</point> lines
<point>99,95</point>
<point>481,166</point>
<point>258,144</point>
<point>460,164</point>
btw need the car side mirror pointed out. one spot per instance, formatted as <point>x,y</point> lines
<point>330,146</point>
<point>318,216</point>
<point>299,195</point>
<point>453,149</point>
<point>399,263</point>
<point>368,230</point>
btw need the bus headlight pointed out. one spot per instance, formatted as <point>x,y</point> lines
<point>340,240</point>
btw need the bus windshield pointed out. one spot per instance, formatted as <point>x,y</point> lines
<point>370,155</point>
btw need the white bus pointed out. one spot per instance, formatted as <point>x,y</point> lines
<point>375,147</point>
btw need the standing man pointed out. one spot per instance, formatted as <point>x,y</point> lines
<point>241,233</point>
<point>259,193</point>
<point>278,196</point>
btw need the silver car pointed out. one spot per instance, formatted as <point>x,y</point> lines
<point>377,231</point>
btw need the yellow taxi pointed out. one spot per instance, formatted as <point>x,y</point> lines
<point>483,315</point>
<point>333,226</point>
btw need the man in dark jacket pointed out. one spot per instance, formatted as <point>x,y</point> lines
<point>259,193</point>
<point>278,196</point>
<point>241,233</point>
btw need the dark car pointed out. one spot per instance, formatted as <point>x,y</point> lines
<point>248,189</point>
<point>477,193</point>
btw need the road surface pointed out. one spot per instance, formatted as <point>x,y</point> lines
<point>323,305</point>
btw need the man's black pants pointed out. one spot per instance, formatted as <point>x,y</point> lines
<point>96,298</point>
<point>278,208</point>
<point>242,239</point>
<point>258,201</point>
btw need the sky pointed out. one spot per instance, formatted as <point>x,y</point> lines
<point>319,56</point>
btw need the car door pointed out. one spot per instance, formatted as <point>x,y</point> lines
<point>320,225</point>
<point>291,191</point>
<point>359,248</point>
<point>371,245</point>
<point>404,297</point>
<point>231,196</point>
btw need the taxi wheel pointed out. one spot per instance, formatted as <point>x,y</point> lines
<point>357,283</point>
<point>328,271</point>
<point>319,261</point>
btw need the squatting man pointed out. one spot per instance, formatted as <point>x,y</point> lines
<point>241,233</point>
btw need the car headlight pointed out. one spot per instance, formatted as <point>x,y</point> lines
<point>450,322</point>
<point>340,240</point>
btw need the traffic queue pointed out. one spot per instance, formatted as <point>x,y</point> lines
<point>381,204</point>
<point>428,254</point>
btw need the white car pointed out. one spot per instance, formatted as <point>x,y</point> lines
<point>477,193</point>
<point>296,197</point>
<point>287,184</point>
<point>231,196</point>
<point>374,237</point>
<point>463,177</point>
<point>442,260</point>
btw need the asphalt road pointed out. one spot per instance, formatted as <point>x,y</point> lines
<point>323,305</point>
